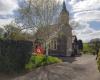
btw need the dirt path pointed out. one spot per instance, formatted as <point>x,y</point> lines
<point>89,63</point>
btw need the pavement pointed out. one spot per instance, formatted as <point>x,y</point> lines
<point>90,65</point>
<point>75,68</point>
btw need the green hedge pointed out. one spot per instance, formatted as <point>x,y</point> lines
<point>87,49</point>
<point>98,61</point>
<point>14,55</point>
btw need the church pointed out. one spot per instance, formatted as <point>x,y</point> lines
<point>58,37</point>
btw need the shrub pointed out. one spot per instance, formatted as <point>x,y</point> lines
<point>41,60</point>
<point>98,61</point>
<point>87,48</point>
<point>14,55</point>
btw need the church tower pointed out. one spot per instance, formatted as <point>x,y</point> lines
<point>64,15</point>
<point>66,29</point>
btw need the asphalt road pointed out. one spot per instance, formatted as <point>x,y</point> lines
<point>88,62</point>
<point>77,68</point>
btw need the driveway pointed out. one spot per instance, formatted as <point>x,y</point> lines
<point>90,66</point>
<point>81,68</point>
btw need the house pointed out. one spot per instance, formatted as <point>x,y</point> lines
<point>58,37</point>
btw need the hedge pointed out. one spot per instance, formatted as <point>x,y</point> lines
<point>14,55</point>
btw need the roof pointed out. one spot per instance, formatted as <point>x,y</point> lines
<point>64,7</point>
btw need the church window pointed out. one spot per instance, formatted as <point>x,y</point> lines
<point>53,44</point>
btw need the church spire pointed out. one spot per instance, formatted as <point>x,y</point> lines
<point>64,6</point>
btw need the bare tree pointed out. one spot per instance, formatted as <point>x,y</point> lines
<point>38,13</point>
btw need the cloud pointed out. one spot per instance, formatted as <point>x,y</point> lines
<point>6,11</point>
<point>5,21</point>
<point>85,12</point>
<point>85,5</point>
<point>84,34</point>
<point>87,33</point>
<point>7,6</point>
<point>72,2</point>
<point>87,16</point>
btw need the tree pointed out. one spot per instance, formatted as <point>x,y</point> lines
<point>13,32</point>
<point>39,13</point>
<point>1,32</point>
<point>80,44</point>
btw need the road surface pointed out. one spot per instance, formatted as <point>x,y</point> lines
<point>88,62</point>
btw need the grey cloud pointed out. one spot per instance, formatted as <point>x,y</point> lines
<point>7,6</point>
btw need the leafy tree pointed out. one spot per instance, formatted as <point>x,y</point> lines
<point>15,33</point>
<point>1,32</point>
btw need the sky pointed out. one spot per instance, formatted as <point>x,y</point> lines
<point>86,12</point>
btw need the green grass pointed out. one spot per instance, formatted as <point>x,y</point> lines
<point>87,49</point>
<point>41,60</point>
